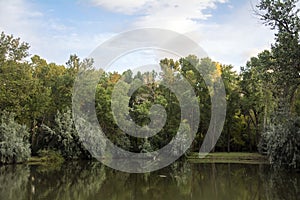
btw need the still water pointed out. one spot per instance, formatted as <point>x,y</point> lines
<point>182,180</point>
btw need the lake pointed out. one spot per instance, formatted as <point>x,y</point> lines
<point>181,180</point>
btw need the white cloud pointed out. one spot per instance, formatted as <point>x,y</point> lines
<point>16,17</point>
<point>232,41</point>
<point>22,19</point>
<point>237,39</point>
<point>175,15</point>
<point>50,38</point>
<point>121,6</point>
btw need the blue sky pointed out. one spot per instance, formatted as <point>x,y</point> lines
<point>226,29</point>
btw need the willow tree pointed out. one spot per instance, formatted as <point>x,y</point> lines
<point>283,137</point>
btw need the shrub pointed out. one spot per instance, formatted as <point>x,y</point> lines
<point>50,156</point>
<point>63,137</point>
<point>282,144</point>
<point>14,140</point>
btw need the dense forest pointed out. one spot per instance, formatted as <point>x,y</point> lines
<point>263,99</point>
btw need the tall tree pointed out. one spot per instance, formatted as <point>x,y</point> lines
<point>232,127</point>
<point>12,49</point>
<point>257,102</point>
<point>283,17</point>
<point>282,138</point>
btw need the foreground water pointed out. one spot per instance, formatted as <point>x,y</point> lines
<point>182,180</point>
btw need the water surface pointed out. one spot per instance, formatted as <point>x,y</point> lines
<point>181,180</point>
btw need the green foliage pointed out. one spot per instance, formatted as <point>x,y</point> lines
<point>282,143</point>
<point>35,90</point>
<point>14,144</point>
<point>51,156</point>
<point>283,16</point>
<point>63,137</point>
<point>257,102</point>
<point>231,138</point>
<point>11,49</point>
<point>16,89</point>
<point>281,140</point>
<point>146,147</point>
<point>182,139</point>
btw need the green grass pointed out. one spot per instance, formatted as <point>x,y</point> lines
<point>220,157</point>
<point>36,159</point>
<point>223,157</point>
<point>46,157</point>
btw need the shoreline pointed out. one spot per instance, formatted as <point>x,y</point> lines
<point>218,157</point>
<point>233,157</point>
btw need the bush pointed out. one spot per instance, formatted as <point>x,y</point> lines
<point>63,137</point>
<point>282,144</point>
<point>50,156</point>
<point>14,140</point>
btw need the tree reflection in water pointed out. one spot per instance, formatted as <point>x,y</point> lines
<point>181,180</point>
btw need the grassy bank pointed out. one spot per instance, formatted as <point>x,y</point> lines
<point>220,157</point>
<point>223,157</point>
<point>46,157</point>
<point>36,160</point>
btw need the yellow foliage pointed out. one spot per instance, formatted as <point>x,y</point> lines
<point>218,69</point>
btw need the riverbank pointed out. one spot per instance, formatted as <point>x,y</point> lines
<point>46,157</point>
<point>223,157</point>
<point>219,157</point>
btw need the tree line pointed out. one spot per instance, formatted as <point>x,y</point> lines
<point>263,99</point>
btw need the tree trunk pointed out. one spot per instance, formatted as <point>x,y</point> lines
<point>228,139</point>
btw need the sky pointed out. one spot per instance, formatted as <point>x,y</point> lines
<point>227,30</point>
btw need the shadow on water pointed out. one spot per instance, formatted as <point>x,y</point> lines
<point>181,180</point>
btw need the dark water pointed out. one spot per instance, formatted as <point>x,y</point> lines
<point>182,180</point>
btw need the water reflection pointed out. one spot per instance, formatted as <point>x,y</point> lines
<point>13,182</point>
<point>182,180</point>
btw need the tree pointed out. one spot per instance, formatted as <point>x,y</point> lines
<point>283,16</point>
<point>16,89</point>
<point>257,87</point>
<point>63,137</point>
<point>11,49</point>
<point>189,70</point>
<point>16,81</point>
<point>232,131</point>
